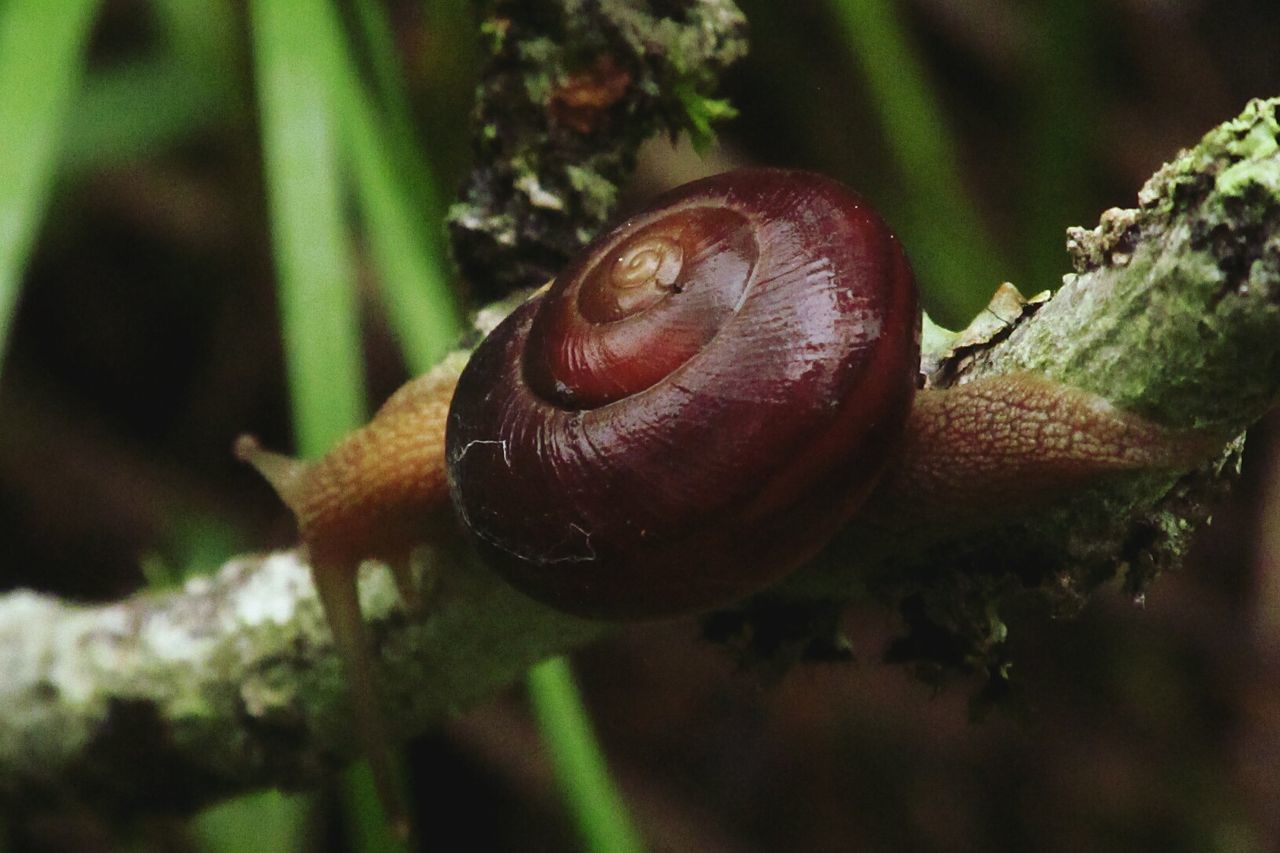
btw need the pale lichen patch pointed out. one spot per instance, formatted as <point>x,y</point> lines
<point>88,643</point>
<point>270,596</point>
<point>537,194</point>
<point>168,639</point>
<point>19,612</point>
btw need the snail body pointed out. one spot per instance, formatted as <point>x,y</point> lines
<point>688,413</point>
<point>377,495</point>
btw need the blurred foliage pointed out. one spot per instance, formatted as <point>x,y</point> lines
<point>137,211</point>
<point>41,61</point>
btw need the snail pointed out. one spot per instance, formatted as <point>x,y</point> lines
<point>713,389</point>
<point>689,412</point>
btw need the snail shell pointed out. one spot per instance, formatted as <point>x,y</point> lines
<point>696,404</point>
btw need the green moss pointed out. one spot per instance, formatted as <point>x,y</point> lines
<point>599,194</point>
<point>505,235</point>
<point>1259,167</point>
<point>1175,314</point>
<point>700,113</point>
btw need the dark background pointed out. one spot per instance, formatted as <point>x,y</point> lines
<point>147,339</point>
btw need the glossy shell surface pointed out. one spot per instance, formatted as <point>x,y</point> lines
<point>702,398</point>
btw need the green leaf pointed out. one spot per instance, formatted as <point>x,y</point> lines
<point>270,820</point>
<point>944,232</point>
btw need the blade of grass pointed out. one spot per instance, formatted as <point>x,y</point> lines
<point>951,251</point>
<point>396,195</point>
<point>127,112</point>
<point>378,41</point>
<point>580,768</point>
<point>422,310</point>
<point>448,65</point>
<point>318,304</point>
<point>195,543</point>
<point>300,77</point>
<point>413,282</point>
<point>201,34</point>
<point>366,830</point>
<point>420,304</point>
<point>42,56</point>
<point>583,775</point>
<point>392,97</point>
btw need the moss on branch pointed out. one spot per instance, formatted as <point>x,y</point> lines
<point>1173,312</point>
<point>571,90</point>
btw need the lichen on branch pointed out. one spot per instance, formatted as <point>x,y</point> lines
<point>1172,312</point>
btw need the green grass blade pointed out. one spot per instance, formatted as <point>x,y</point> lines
<point>301,75</point>
<point>396,195</point>
<point>42,47</point>
<point>366,830</point>
<point>392,99</point>
<point>318,300</point>
<point>202,34</point>
<point>415,285</point>
<point>955,259</point>
<point>418,299</point>
<point>421,308</point>
<point>597,806</point>
<point>378,40</point>
<point>387,200</point>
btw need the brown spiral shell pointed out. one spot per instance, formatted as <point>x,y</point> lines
<point>696,404</point>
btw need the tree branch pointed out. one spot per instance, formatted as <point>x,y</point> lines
<point>1173,312</point>
<point>170,701</point>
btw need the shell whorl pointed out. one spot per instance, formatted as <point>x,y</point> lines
<point>636,307</point>
<point>701,398</point>
<point>650,265</point>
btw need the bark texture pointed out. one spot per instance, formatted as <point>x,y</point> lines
<point>1172,312</point>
